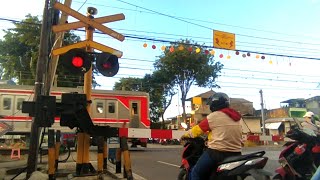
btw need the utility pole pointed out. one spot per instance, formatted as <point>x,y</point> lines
<point>57,44</point>
<point>38,90</point>
<point>262,114</point>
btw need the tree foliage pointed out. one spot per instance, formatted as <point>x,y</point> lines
<point>181,67</point>
<point>186,67</point>
<point>19,52</point>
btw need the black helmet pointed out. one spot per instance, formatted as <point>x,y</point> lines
<point>218,101</point>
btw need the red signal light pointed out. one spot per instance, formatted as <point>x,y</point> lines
<point>106,65</point>
<point>77,61</point>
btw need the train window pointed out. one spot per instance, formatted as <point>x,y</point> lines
<point>19,103</point>
<point>99,107</point>
<point>111,107</point>
<point>6,103</point>
<point>135,108</point>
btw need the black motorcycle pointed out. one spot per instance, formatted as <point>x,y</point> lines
<point>235,167</point>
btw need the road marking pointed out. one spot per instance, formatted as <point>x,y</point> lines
<point>135,176</point>
<point>168,164</point>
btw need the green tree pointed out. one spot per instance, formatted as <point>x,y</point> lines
<point>129,84</point>
<point>161,94</point>
<point>186,68</point>
<point>19,51</point>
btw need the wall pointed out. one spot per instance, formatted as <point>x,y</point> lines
<point>242,107</point>
<point>313,106</point>
<point>278,113</point>
<point>252,123</point>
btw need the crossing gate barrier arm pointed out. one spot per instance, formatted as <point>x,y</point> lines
<point>176,134</point>
<point>150,133</point>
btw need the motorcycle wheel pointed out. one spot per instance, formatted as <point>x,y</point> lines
<point>277,177</point>
<point>182,174</point>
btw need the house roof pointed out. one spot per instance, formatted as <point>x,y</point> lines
<point>315,98</point>
<point>205,95</point>
<point>239,100</point>
<point>286,119</point>
<point>301,100</point>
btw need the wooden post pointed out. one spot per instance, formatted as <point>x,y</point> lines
<point>105,154</point>
<point>118,160</point>
<point>100,155</point>
<point>51,154</point>
<point>126,158</point>
<point>57,147</point>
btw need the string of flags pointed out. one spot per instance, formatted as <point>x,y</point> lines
<point>209,51</point>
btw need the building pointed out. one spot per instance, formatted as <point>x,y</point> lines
<point>279,120</point>
<point>279,126</point>
<point>200,109</point>
<point>313,104</point>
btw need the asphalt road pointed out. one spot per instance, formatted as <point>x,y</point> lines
<point>158,162</point>
<point>161,162</point>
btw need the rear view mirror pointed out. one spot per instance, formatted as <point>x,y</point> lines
<point>184,125</point>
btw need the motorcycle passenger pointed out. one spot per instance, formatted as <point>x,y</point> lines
<point>308,122</point>
<point>225,129</point>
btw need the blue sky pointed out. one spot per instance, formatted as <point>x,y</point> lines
<point>287,27</point>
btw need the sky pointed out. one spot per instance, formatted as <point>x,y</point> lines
<point>287,27</point>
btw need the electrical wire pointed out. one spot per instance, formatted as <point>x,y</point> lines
<point>212,22</point>
<point>273,45</point>
<point>199,25</point>
<point>170,41</point>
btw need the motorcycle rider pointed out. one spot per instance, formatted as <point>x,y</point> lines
<point>226,135</point>
<point>308,122</point>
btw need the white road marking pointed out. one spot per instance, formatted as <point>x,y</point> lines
<point>120,176</point>
<point>168,164</point>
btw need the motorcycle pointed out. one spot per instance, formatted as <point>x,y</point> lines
<point>300,158</point>
<point>235,167</point>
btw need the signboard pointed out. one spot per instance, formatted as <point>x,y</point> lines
<point>224,40</point>
<point>197,100</point>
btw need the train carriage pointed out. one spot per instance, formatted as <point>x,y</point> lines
<point>113,108</point>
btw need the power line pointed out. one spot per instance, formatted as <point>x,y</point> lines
<point>206,21</point>
<point>82,5</point>
<point>271,46</point>
<point>170,41</point>
<point>196,24</point>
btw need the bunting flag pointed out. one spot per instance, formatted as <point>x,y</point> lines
<point>212,52</point>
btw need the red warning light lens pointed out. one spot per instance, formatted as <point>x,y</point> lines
<point>106,65</point>
<point>77,62</point>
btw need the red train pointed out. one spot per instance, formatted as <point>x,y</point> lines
<point>113,108</point>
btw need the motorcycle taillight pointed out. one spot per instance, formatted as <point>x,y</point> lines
<point>300,149</point>
<point>316,149</point>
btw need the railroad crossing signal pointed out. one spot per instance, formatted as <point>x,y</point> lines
<point>76,59</point>
<point>107,64</point>
<point>89,21</point>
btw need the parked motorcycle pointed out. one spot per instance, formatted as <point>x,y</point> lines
<point>235,167</point>
<point>300,158</point>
